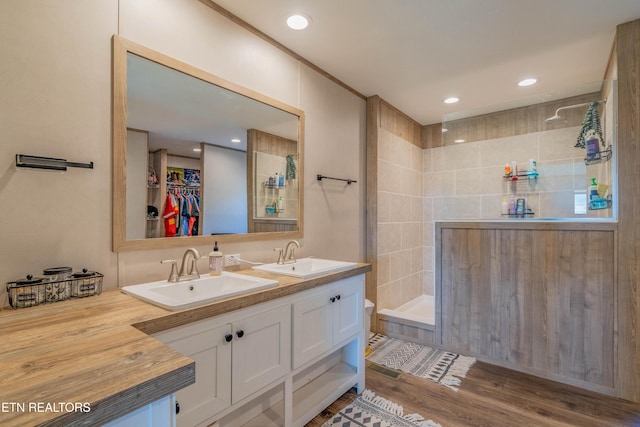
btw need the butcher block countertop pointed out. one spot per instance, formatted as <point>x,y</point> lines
<point>96,353</point>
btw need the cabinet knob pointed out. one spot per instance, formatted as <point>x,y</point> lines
<point>228,337</point>
<point>338,297</point>
<point>240,333</point>
<point>332,299</point>
<point>177,407</point>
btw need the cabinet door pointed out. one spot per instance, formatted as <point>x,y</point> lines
<point>160,413</point>
<point>211,392</point>
<point>261,351</point>
<point>311,327</point>
<point>347,309</point>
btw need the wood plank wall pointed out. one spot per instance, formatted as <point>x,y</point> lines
<point>628,248</point>
<point>532,297</point>
<point>371,284</point>
<point>431,136</point>
<point>515,121</point>
<point>398,123</point>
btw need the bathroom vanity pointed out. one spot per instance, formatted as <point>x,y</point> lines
<point>272,357</point>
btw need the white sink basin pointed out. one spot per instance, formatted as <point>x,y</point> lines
<point>193,293</point>
<point>306,267</point>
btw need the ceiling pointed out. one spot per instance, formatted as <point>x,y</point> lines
<point>180,111</point>
<point>416,53</point>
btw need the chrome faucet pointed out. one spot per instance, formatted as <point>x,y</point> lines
<point>289,253</point>
<point>188,267</point>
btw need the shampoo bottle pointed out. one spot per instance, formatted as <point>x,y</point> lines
<point>512,206</point>
<point>215,261</point>
<point>281,184</point>
<point>504,210</point>
<point>593,190</point>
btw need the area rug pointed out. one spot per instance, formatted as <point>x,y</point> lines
<point>370,410</point>
<point>436,365</point>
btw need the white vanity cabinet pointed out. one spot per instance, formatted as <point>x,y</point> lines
<point>234,358</point>
<point>326,317</point>
<point>261,351</point>
<point>157,414</point>
<point>278,363</point>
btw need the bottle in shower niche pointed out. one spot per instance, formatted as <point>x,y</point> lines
<point>593,190</point>
<point>215,261</point>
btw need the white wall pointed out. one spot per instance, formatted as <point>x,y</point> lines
<point>137,158</point>
<point>56,86</point>
<point>225,194</point>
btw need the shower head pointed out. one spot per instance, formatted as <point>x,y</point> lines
<point>556,119</point>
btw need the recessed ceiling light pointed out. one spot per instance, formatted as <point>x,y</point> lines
<point>527,82</point>
<point>236,141</point>
<point>197,150</point>
<point>298,21</point>
<point>451,100</point>
<point>458,141</point>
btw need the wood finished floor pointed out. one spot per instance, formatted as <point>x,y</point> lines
<point>495,396</point>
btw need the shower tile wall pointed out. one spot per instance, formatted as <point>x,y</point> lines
<point>464,182</point>
<point>400,221</point>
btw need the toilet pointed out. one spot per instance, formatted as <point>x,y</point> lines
<point>368,310</point>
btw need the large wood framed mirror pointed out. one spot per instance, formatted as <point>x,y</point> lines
<point>197,158</point>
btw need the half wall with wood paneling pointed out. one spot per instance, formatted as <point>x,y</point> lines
<point>534,297</point>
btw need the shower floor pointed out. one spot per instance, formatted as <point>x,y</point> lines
<point>420,309</point>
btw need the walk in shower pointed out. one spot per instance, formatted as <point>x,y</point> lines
<point>419,185</point>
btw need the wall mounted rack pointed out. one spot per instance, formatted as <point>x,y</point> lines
<point>520,176</point>
<point>50,163</point>
<point>599,157</point>
<point>348,181</point>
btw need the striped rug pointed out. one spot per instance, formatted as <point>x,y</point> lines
<point>436,365</point>
<point>370,410</point>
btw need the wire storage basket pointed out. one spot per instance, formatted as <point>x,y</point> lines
<point>32,291</point>
<point>86,284</point>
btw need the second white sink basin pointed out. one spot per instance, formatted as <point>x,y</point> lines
<point>306,267</point>
<point>193,293</point>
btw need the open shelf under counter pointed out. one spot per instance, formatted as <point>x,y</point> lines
<point>315,388</point>
<point>316,395</point>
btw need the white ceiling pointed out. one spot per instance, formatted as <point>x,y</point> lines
<point>180,111</point>
<point>416,53</point>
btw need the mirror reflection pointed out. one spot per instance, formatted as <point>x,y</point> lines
<point>202,159</point>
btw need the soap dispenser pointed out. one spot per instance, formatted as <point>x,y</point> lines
<point>215,261</point>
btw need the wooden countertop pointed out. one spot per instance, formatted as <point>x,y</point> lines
<point>96,351</point>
